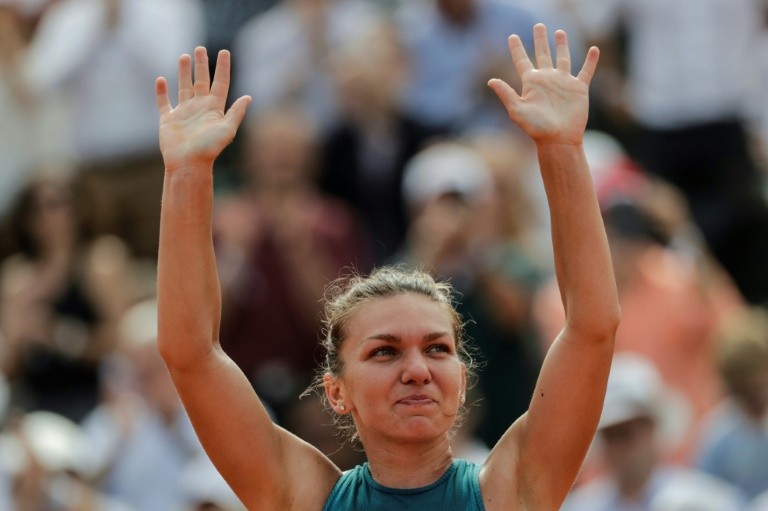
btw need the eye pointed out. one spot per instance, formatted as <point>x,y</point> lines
<point>439,348</point>
<point>383,351</point>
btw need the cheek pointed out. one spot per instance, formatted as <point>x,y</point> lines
<point>451,375</point>
<point>369,387</point>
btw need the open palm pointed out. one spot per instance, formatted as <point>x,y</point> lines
<point>197,130</point>
<point>553,105</point>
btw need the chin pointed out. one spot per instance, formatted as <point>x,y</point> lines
<point>418,429</point>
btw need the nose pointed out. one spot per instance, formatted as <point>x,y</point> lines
<point>415,369</point>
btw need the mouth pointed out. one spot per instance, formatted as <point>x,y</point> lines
<point>416,400</point>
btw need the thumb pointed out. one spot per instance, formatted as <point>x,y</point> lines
<point>506,94</point>
<point>236,112</point>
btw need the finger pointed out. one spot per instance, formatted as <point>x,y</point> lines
<point>541,46</point>
<point>236,112</point>
<point>590,64</point>
<point>185,78</point>
<point>202,74</point>
<point>506,94</point>
<point>161,92</point>
<point>563,53</point>
<point>519,56</point>
<point>220,87</point>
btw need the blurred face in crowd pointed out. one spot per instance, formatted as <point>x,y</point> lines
<point>368,75</point>
<point>445,222</point>
<point>457,11</point>
<point>281,149</point>
<point>402,379</point>
<point>153,380</point>
<point>630,450</point>
<point>52,215</point>
<point>751,392</point>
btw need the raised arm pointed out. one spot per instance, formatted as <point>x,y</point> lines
<point>263,464</point>
<point>542,452</point>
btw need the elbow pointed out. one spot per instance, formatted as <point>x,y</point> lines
<point>599,328</point>
<point>180,354</point>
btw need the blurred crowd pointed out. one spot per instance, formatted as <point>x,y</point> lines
<point>373,139</point>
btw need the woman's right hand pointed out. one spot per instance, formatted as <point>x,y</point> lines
<point>195,132</point>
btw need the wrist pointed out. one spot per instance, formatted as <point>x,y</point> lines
<point>559,146</point>
<point>197,168</point>
<point>576,141</point>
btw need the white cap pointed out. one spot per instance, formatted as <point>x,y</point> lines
<point>444,168</point>
<point>55,441</point>
<point>603,154</point>
<point>635,390</point>
<point>138,326</point>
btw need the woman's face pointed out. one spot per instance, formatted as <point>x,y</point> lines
<point>402,378</point>
<point>53,218</point>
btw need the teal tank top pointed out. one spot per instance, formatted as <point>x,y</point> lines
<point>458,489</point>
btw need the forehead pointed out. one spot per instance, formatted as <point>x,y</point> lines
<point>403,315</point>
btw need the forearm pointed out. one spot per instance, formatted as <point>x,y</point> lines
<point>189,297</point>
<point>582,258</point>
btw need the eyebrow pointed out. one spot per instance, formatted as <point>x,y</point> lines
<point>392,338</point>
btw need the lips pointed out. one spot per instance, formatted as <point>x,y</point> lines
<point>416,400</point>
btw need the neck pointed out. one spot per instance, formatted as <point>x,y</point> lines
<point>404,465</point>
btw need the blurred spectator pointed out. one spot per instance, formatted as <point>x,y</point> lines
<point>637,408</point>
<point>735,442</point>
<point>281,56</point>
<point>104,55</point>
<point>139,439</point>
<point>454,47</point>
<point>689,132</point>
<point>279,242</point>
<point>60,297</point>
<point>364,155</point>
<point>673,298</point>
<point>458,231</point>
<point>46,452</point>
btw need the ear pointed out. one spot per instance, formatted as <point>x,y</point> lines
<point>335,393</point>
<point>463,396</point>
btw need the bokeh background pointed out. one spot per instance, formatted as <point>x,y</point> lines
<point>373,139</point>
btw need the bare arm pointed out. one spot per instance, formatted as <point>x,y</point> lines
<point>263,463</point>
<point>542,452</point>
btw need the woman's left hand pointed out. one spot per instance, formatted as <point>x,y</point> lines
<point>554,104</point>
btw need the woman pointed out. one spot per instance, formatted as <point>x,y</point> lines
<point>62,292</point>
<point>393,362</point>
